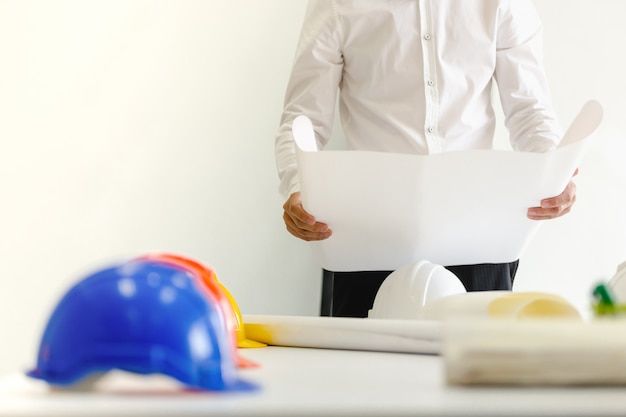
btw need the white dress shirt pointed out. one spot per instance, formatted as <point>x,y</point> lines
<point>415,76</point>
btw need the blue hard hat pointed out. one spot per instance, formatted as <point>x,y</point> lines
<point>141,317</point>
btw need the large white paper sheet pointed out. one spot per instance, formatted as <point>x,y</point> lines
<point>387,210</point>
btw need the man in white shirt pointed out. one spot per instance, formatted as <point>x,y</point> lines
<point>415,76</point>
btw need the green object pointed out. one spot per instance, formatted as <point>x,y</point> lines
<point>604,304</point>
<point>603,293</point>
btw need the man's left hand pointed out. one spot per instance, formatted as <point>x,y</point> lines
<point>554,207</point>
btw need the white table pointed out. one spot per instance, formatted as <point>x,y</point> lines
<point>315,382</point>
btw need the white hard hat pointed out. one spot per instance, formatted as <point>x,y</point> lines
<point>406,290</point>
<point>618,283</point>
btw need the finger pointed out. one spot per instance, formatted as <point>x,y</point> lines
<point>307,235</point>
<point>539,213</point>
<point>317,231</point>
<point>556,206</point>
<point>300,223</point>
<point>552,212</point>
<point>295,223</point>
<point>303,230</point>
<point>298,218</point>
<point>565,198</point>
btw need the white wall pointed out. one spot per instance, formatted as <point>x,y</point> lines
<point>135,126</point>
<point>584,60</point>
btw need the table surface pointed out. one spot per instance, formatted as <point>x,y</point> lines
<point>308,382</point>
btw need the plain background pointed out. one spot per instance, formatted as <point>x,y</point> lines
<point>136,126</point>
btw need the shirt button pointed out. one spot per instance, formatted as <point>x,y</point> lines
<point>431,129</point>
<point>431,83</point>
<point>427,36</point>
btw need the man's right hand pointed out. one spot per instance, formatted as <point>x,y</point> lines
<point>302,224</point>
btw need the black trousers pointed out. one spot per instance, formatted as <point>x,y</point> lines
<point>351,294</point>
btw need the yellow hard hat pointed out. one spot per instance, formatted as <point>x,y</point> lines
<point>242,340</point>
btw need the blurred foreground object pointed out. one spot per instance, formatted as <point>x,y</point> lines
<point>617,284</point>
<point>535,352</point>
<point>605,303</point>
<point>500,305</point>
<point>216,291</point>
<point>141,317</point>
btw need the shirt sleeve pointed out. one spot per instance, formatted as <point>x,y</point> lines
<point>312,87</point>
<point>521,79</point>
